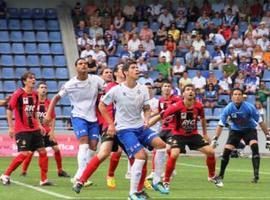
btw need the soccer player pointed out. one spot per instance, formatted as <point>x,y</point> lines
<point>49,137</point>
<point>82,91</point>
<point>130,99</point>
<point>27,129</point>
<point>185,133</point>
<point>244,118</point>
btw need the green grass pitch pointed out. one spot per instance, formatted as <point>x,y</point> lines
<point>189,183</point>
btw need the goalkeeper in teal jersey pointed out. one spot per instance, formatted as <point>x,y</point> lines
<point>244,119</point>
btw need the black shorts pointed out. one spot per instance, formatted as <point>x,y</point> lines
<point>194,142</point>
<point>106,138</point>
<point>48,142</point>
<point>166,136</point>
<point>236,136</point>
<point>29,141</point>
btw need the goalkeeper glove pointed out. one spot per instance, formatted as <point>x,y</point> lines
<point>267,145</point>
<point>214,142</point>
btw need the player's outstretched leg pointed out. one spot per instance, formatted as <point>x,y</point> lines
<point>58,160</point>
<point>255,161</point>
<point>26,163</point>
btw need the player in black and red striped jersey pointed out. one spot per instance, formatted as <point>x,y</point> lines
<point>27,128</point>
<point>49,137</point>
<point>187,113</point>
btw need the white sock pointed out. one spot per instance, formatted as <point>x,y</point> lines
<point>135,173</point>
<point>159,162</point>
<point>82,159</point>
<point>90,154</point>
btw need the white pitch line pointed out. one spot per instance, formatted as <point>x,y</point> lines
<point>168,197</point>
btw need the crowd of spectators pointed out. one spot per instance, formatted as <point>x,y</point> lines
<point>232,37</point>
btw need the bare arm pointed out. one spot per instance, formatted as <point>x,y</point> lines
<point>264,128</point>
<point>218,131</point>
<point>10,123</point>
<point>105,114</point>
<point>154,120</point>
<point>54,101</point>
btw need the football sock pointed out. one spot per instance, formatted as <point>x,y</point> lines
<point>58,160</point>
<point>211,164</point>
<point>135,172</point>
<point>15,163</point>
<point>159,161</point>
<point>43,164</point>
<point>143,176</point>
<point>27,161</point>
<point>169,168</point>
<point>255,159</point>
<point>90,154</point>
<point>82,159</point>
<point>168,152</point>
<point>90,169</point>
<point>115,157</point>
<point>224,161</point>
<point>153,160</point>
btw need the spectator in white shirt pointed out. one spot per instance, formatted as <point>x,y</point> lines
<point>198,43</point>
<point>133,43</point>
<point>166,18</point>
<point>165,52</point>
<point>263,42</point>
<point>199,81</point>
<point>88,51</point>
<point>129,10</point>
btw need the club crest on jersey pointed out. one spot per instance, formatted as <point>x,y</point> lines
<point>162,106</point>
<point>183,115</point>
<point>25,100</point>
<point>234,115</point>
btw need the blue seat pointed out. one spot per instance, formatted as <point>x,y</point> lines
<point>208,113</point>
<point>182,60</point>
<point>67,111</point>
<point>52,86</point>
<point>37,72</point>
<point>267,84</point>
<point>1,89</point>
<point>48,73</point>
<point>38,13</point>
<point>55,36</point>
<point>26,13</point>
<point>218,74</point>
<point>14,24</point>
<point>40,25</point>
<point>217,112</point>
<point>16,36</point>
<point>8,73</point>
<point>9,86</point>
<point>128,25</point>
<point>2,111</point>
<point>140,25</point>
<point>4,36</point>
<point>33,61</point>
<point>42,37</point>
<point>13,13</point>
<point>50,13</point>
<point>153,75</point>
<point>44,48</point>
<point>31,48</point>
<point>5,48</point>
<point>190,26</point>
<point>57,48</point>
<point>213,124</point>
<point>29,36</point>
<point>119,49</point>
<point>53,25</point>
<point>153,61</point>
<point>27,25</point>
<point>59,61</point>
<point>65,101</point>
<point>243,25</point>
<point>158,49</point>
<point>60,84</point>
<point>20,71</point>
<point>224,97</point>
<point>192,73</point>
<point>61,73</point>
<point>154,26</point>
<point>3,24</point>
<point>113,61</point>
<point>251,98</point>
<point>210,48</point>
<point>19,60</point>
<point>46,61</point>
<point>17,48</point>
<point>7,60</point>
<point>266,75</point>
<point>58,110</point>
<point>205,73</point>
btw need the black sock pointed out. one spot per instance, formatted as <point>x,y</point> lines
<point>255,159</point>
<point>224,161</point>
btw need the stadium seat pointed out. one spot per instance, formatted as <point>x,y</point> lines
<point>38,13</point>
<point>3,24</point>
<point>58,111</point>
<point>153,75</point>
<point>52,86</point>
<point>2,111</point>
<point>29,36</point>
<point>27,25</point>
<point>210,48</point>
<point>225,97</point>
<point>16,36</point>
<point>205,73</point>
<point>13,13</point>
<point>192,73</point>
<point>128,25</point>
<point>48,73</point>
<point>42,36</point>
<point>17,48</point>
<point>53,25</point>
<point>243,25</point>
<point>7,60</point>
<point>182,60</point>
<point>50,13</point>
<point>40,25</point>
<point>4,36</point>
<point>208,112</point>
<point>66,111</point>
<point>61,73</point>
<point>26,13</point>
<point>217,112</point>
<point>218,74</point>
<point>65,101</point>
<point>33,61</point>
<point>57,48</point>
<point>190,26</point>
<point>213,124</point>
<point>44,48</point>
<point>112,61</point>
<point>5,48</point>
<point>154,26</point>
<point>8,73</point>
<point>31,48</point>
<point>251,99</point>
<point>140,25</point>
<point>153,61</point>
<point>37,72</point>
<point>19,60</point>
<point>60,84</point>
<point>14,24</point>
<point>267,84</point>
<point>119,49</point>
<point>55,36</point>
<point>9,86</point>
<point>266,75</point>
<point>59,61</point>
<point>20,71</point>
<point>46,61</point>
<point>158,49</point>
<point>2,96</point>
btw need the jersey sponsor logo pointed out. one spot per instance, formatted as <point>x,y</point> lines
<point>188,125</point>
<point>183,115</point>
<point>29,110</point>
<point>25,100</point>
